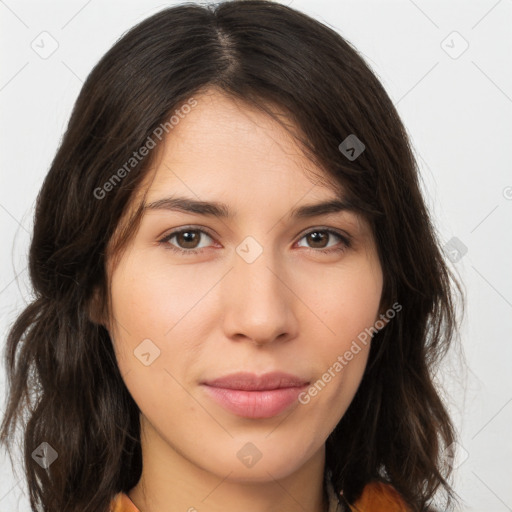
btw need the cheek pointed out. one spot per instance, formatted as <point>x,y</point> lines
<point>149,300</point>
<point>147,305</point>
<point>336,381</point>
<point>347,300</point>
<point>349,311</point>
<point>155,328</point>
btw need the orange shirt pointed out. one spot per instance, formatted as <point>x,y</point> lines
<point>376,497</point>
<point>379,497</point>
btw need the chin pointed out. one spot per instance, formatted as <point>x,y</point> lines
<point>261,461</point>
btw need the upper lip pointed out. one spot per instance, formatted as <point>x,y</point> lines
<point>252,382</point>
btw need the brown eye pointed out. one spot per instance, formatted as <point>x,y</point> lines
<point>186,240</point>
<point>319,239</point>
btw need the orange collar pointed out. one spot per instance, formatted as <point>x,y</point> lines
<point>376,497</point>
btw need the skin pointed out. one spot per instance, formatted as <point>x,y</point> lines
<point>294,309</point>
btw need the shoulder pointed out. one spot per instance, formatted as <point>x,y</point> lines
<point>380,497</point>
<point>122,503</point>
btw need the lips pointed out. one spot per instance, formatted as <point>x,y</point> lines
<point>255,396</point>
<point>252,382</point>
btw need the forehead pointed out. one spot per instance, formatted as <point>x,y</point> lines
<point>224,143</point>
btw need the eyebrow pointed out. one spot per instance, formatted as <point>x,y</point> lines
<point>221,210</point>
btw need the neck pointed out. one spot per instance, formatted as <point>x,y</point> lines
<point>170,482</point>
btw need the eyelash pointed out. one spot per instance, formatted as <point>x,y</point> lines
<point>346,242</point>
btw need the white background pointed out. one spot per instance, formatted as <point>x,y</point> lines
<point>458,112</point>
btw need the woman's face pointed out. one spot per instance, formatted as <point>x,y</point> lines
<point>258,291</point>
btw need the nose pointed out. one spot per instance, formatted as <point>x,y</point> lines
<point>259,304</point>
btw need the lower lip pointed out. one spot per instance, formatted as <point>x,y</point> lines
<point>255,404</point>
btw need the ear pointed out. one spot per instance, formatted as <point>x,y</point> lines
<point>96,308</point>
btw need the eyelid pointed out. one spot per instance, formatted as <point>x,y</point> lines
<point>177,231</point>
<point>345,237</point>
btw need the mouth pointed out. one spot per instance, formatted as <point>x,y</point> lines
<point>251,396</point>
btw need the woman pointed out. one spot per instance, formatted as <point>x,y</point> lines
<point>240,299</point>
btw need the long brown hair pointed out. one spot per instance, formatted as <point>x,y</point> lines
<point>65,387</point>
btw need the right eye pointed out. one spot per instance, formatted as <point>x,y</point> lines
<point>187,240</point>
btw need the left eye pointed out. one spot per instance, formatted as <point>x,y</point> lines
<point>321,235</point>
<point>188,239</point>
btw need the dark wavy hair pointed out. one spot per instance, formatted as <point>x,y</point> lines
<point>64,385</point>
